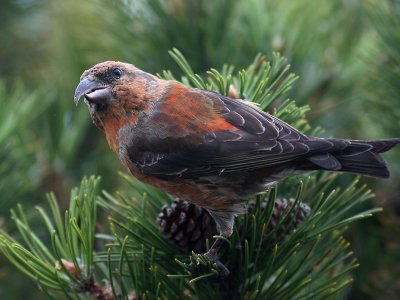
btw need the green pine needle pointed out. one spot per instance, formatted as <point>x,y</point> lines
<point>313,260</point>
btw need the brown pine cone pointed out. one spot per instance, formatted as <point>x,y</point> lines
<point>297,216</point>
<point>186,226</point>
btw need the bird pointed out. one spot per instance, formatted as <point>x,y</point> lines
<point>206,148</point>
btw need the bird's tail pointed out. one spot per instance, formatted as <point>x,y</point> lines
<point>362,157</point>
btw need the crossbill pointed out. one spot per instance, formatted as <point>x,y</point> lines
<point>209,149</point>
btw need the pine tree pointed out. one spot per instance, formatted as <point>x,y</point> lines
<point>125,256</point>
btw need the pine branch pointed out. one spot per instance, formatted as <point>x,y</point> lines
<point>67,265</point>
<point>301,264</point>
<point>311,260</point>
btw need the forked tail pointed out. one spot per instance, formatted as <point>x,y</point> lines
<point>362,157</point>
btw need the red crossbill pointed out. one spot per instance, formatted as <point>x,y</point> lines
<point>209,149</point>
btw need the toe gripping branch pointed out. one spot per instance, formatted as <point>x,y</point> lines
<point>206,265</point>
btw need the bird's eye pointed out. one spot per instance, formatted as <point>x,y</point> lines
<point>117,72</point>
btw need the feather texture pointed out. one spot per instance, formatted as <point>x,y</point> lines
<point>206,148</point>
<point>255,141</point>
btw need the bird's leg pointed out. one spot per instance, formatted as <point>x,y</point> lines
<point>212,254</point>
<point>213,251</point>
<point>224,221</point>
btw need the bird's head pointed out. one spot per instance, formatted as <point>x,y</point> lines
<point>116,94</point>
<point>100,84</point>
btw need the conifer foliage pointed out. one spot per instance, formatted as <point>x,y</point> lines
<point>280,249</point>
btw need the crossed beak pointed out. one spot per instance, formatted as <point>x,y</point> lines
<point>93,91</point>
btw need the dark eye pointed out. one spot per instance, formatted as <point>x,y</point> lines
<point>117,72</point>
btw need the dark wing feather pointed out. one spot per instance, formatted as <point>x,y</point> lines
<point>259,140</point>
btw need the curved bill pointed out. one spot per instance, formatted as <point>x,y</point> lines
<point>92,90</point>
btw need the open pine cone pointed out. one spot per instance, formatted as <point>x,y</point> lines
<point>188,226</point>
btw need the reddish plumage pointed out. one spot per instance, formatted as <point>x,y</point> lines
<point>206,148</point>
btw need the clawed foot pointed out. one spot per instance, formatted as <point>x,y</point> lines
<point>222,270</point>
<point>212,254</point>
<point>201,264</point>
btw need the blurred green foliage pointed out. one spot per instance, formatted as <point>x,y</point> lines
<point>347,54</point>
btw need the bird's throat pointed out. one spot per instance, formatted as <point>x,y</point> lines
<point>113,129</point>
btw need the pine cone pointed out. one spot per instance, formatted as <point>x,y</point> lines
<point>186,226</point>
<point>281,206</point>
